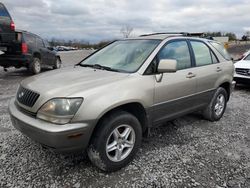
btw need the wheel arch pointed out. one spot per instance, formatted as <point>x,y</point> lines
<point>227,87</point>
<point>134,108</point>
<point>37,54</point>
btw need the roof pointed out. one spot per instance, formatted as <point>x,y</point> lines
<point>23,31</point>
<point>162,36</point>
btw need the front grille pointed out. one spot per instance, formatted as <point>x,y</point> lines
<point>245,72</point>
<point>26,96</point>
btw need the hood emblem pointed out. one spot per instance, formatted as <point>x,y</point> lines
<point>20,95</point>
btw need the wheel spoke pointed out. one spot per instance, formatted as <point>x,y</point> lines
<point>126,133</point>
<point>128,144</point>
<point>118,154</point>
<point>112,146</point>
<point>116,134</point>
<point>216,107</point>
<point>222,100</point>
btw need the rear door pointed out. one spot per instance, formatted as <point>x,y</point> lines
<point>51,54</point>
<point>207,70</point>
<point>174,93</point>
<point>42,50</point>
<point>7,33</point>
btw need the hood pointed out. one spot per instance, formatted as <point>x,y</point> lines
<point>69,81</point>
<point>243,64</point>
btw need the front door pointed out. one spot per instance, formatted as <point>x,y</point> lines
<point>174,93</point>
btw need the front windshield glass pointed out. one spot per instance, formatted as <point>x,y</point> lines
<point>247,58</point>
<point>125,55</point>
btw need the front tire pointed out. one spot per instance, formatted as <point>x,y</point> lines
<point>35,66</point>
<point>58,63</point>
<point>216,108</point>
<point>115,142</point>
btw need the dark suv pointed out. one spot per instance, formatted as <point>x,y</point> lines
<point>31,51</point>
<point>7,27</point>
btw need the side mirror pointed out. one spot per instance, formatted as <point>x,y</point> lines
<point>167,65</point>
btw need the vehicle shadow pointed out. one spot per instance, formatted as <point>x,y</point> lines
<point>15,73</point>
<point>162,136</point>
<point>242,87</point>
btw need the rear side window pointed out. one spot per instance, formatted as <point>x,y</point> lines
<point>179,51</point>
<point>202,53</point>
<point>39,43</point>
<point>3,11</point>
<point>220,48</point>
<point>29,39</point>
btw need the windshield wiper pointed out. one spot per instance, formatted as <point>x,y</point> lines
<point>98,66</point>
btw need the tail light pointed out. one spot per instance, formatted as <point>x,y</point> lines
<point>12,26</point>
<point>24,48</point>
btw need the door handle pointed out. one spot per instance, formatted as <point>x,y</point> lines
<point>190,75</point>
<point>218,69</point>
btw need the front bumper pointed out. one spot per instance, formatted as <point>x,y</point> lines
<point>62,138</point>
<point>242,78</point>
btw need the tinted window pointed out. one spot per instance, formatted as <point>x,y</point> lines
<point>3,11</point>
<point>39,43</point>
<point>179,51</point>
<point>46,43</point>
<point>221,50</point>
<point>29,39</point>
<point>202,53</point>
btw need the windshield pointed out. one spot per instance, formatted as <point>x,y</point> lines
<point>247,58</point>
<point>125,55</point>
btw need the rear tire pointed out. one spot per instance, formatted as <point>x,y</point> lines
<point>35,66</point>
<point>58,63</point>
<point>216,108</point>
<point>115,142</point>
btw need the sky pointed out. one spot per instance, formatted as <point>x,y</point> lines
<point>97,20</point>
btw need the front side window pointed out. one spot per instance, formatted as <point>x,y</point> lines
<point>179,51</point>
<point>124,55</point>
<point>202,53</point>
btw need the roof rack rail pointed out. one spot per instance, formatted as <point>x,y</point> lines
<point>166,33</point>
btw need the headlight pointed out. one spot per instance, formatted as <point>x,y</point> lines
<point>59,110</point>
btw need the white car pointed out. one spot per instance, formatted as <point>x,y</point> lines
<point>242,70</point>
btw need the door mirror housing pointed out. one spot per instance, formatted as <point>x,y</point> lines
<point>50,48</point>
<point>167,65</point>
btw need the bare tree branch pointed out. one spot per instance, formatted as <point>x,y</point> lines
<point>126,31</point>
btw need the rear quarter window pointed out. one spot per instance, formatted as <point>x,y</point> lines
<point>3,11</point>
<point>220,48</point>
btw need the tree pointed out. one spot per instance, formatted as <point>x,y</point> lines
<point>231,36</point>
<point>126,31</point>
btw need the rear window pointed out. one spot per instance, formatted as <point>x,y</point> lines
<point>220,48</point>
<point>3,11</point>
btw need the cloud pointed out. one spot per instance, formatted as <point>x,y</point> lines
<point>95,20</point>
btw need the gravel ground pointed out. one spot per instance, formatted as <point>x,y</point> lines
<point>188,152</point>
